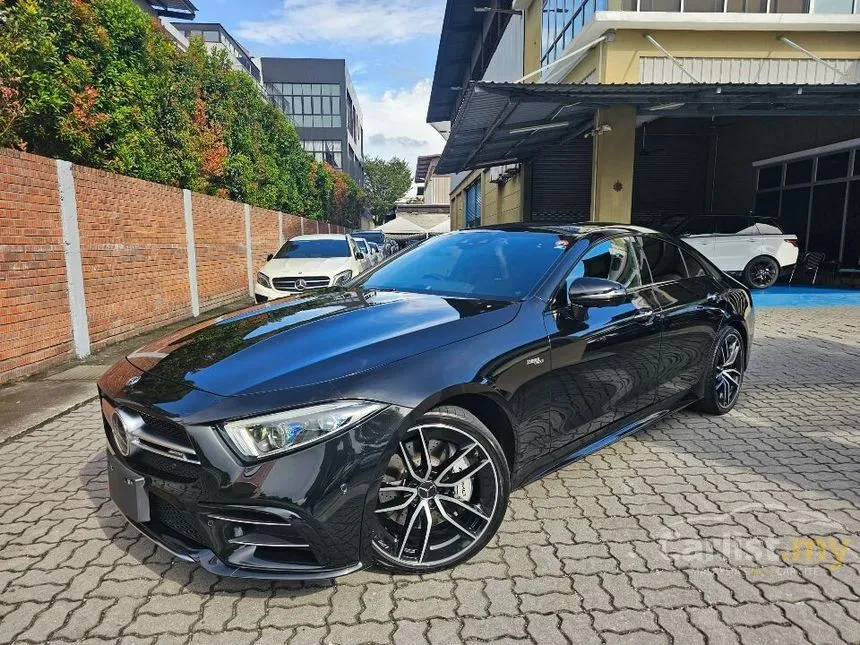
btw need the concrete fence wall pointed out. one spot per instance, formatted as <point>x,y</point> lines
<point>88,258</point>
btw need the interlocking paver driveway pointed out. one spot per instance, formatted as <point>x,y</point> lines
<point>744,528</point>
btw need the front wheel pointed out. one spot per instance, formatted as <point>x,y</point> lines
<point>761,272</point>
<point>725,375</point>
<point>443,493</point>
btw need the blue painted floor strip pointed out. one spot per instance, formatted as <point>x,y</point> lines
<point>785,296</point>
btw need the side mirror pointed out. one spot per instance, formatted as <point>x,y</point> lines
<point>359,255</point>
<point>596,292</point>
<point>270,256</point>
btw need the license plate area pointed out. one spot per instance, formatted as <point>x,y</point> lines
<point>127,490</point>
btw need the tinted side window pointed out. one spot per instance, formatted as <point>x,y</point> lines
<point>664,259</point>
<point>734,224</point>
<point>701,225</point>
<point>694,267</point>
<point>616,259</point>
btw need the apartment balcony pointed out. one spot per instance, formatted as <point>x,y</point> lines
<point>565,20</point>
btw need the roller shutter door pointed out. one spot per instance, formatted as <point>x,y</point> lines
<point>561,183</point>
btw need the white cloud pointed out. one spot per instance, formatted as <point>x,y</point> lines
<point>371,22</point>
<point>394,123</point>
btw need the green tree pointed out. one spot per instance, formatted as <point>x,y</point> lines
<point>98,83</point>
<point>385,183</point>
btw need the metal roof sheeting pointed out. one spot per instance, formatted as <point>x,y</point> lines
<point>803,71</point>
<point>481,135</point>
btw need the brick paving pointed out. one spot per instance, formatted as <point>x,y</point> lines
<point>738,529</point>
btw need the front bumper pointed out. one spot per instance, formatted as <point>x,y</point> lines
<point>299,516</point>
<point>264,294</point>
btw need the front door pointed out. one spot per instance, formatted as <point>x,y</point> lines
<point>604,359</point>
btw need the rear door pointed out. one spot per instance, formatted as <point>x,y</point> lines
<point>688,297</point>
<point>699,232</point>
<point>736,242</point>
<point>604,358</point>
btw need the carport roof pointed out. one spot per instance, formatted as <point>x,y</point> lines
<point>502,123</point>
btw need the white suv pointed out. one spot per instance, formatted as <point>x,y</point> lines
<point>754,249</point>
<point>309,262</point>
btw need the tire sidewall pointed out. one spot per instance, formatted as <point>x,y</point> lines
<point>710,400</point>
<point>479,432</point>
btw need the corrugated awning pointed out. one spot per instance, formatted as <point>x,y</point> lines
<point>502,123</point>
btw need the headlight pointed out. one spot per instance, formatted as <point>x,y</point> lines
<point>263,279</point>
<point>273,434</point>
<point>342,278</point>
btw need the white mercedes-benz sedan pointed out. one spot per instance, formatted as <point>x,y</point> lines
<point>309,262</point>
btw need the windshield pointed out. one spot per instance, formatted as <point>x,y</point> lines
<point>326,248</point>
<point>487,263</point>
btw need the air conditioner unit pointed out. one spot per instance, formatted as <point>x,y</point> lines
<point>501,174</point>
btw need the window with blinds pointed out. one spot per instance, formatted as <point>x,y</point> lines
<point>473,205</point>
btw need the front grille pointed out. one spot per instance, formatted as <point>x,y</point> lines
<point>176,520</point>
<point>166,430</point>
<point>162,448</point>
<point>165,467</point>
<point>289,284</point>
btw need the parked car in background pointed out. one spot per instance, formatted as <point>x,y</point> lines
<point>367,259</point>
<point>309,262</point>
<point>756,250</point>
<point>377,237</point>
<point>375,253</point>
<point>387,421</point>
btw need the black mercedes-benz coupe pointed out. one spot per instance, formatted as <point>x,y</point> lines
<point>386,421</point>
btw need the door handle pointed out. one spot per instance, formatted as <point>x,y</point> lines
<point>645,315</point>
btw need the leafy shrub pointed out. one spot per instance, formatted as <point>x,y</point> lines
<point>97,82</point>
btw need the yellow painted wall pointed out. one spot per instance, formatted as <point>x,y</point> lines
<point>531,38</point>
<point>500,204</point>
<point>612,165</point>
<point>621,57</point>
<point>584,67</point>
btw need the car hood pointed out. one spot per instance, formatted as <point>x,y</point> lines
<point>306,340</point>
<point>292,267</point>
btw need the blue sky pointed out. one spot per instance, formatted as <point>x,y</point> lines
<point>389,45</point>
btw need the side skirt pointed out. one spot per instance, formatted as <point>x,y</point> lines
<point>590,444</point>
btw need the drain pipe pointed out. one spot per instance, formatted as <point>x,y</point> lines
<point>668,55</point>
<point>810,55</point>
<point>607,36</point>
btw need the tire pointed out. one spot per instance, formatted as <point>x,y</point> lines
<point>761,272</point>
<point>464,511</point>
<point>720,392</point>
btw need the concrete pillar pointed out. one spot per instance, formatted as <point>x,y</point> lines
<point>612,165</point>
<point>74,263</point>
<point>191,252</point>
<point>249,257</point>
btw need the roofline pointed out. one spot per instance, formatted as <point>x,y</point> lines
<point>464,63</point>
<point>165,12</point>
<point>206,25</point>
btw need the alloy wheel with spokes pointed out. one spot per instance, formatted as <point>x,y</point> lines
<point>442,495</point>
<point>727,382</point>
<point>762,272</point>
<point>723,381</point>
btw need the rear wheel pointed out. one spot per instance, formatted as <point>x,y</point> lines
<point>726,374</point>
<point>761,272</point>
<point>443,493</point>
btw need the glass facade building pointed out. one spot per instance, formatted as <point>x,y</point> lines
<point>318,97</point>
